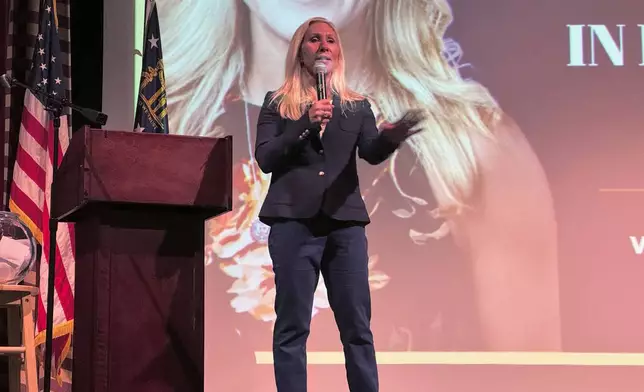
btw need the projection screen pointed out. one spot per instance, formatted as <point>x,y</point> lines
<point>535,282</point>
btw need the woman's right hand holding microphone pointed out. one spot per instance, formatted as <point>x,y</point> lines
<point>321,111</point>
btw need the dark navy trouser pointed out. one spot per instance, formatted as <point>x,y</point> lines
<point>300,250</point>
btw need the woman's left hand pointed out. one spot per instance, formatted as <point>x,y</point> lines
<point>399,131</point>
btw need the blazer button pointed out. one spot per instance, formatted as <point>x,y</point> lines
<point>321,173</point>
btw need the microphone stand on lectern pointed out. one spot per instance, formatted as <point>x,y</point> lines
<point>55,107</point>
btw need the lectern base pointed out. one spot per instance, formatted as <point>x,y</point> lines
<point>139,303</point>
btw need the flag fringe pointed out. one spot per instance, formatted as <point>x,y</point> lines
<point>35,231</point>
<point>66,330</point>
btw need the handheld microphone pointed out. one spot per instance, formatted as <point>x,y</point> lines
<point>320,79</point>
<point>320,88</point>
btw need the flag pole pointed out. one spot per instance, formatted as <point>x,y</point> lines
<point>56,109</point>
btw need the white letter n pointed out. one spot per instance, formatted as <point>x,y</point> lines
<point>614,50</point>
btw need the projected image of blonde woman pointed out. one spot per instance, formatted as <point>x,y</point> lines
<point>463,234</point>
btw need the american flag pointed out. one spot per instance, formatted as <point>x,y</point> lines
<point>32,176</point>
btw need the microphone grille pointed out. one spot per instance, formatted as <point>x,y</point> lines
<point>320,67</point>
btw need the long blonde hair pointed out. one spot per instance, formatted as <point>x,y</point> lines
<point>205,61</point>
<point>297,92</point>
<point>413,73</point>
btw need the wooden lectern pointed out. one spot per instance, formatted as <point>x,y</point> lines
<point>139,202</point>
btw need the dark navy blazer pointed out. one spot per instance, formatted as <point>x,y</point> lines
<point>313,174</point>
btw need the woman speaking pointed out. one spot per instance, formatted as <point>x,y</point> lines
<point>314,204</point>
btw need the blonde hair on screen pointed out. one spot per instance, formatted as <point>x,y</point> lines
<point>205,61</point>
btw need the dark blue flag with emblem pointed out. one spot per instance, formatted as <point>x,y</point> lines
<point>152,107</point>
